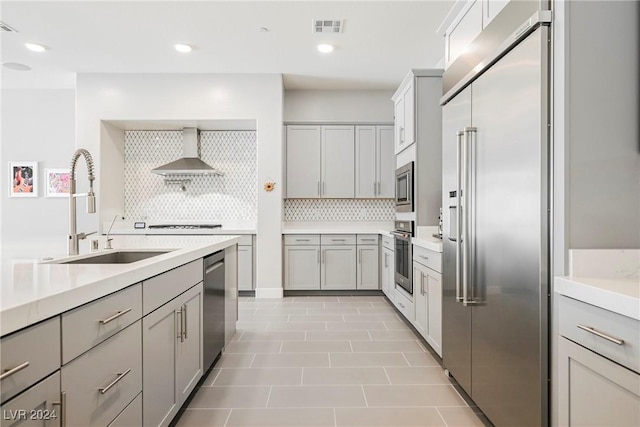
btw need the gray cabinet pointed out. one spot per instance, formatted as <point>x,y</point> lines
<point>103,381</point>
<point>368,268</point>
<point>337,162</point>
<point>42,400</point>
<point>245,264</point>
<point>131,416</point>
<point>404,109</point>
<point>172,356</point>
<point>338,270</point>
<point>387,279</point>
<point>303,161</point>
<point>375,162</point>
<point>302,267</point>
<point>427,293</point>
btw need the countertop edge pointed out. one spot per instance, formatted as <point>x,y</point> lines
<point>607,299</point>
<point>28,313</point>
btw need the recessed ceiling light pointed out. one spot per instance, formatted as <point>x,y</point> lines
<point>184,48</point>
<point>35,47</point>
<point>325,48</point>
<point>16,66</point>
<point>264,30</point>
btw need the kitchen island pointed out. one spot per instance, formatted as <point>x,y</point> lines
<point>81,341</point>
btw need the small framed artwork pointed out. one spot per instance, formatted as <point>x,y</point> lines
<point>57,182</point>
<point>23,179</point>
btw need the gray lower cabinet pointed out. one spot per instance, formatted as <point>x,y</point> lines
<point>594,391</point>
<point>131,415</point>
<point>38,406</point>
<point>427,294</point>
<point>100,383</point>
<point>245,264</point>
<point>302,267</point>
<point>368,273</point>
<point>338,270</point>
<point>172,356</point>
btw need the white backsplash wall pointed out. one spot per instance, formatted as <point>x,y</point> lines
<point>232,197</point>
<point>339,210</point>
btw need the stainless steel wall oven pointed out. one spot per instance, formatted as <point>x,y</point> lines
<point>403,267</point>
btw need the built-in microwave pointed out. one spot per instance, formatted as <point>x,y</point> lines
<point>404,188</point>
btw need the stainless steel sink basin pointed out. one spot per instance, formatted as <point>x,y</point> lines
<point>117,257</point>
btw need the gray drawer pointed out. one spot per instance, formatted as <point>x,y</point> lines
<point>131,416</point>
<point>90,324</point>
<point>368,239</point>
<point>39,399</point>
<point>166,286</point>
<point>117,362</point>
<point>301,239</point>
<point>337,239</point>
<point>573,313</point>
<point>428,258</point>
<point>246,240</point>
<point>36,349</point>
<point>388,242</point>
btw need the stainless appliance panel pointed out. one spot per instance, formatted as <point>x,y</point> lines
<point>213,308</point>
<point>509,236</point>
<point>456,318</point>
<point>403,268</point>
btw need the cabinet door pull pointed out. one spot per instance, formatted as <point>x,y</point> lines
<point>63,408</point>
<point>318,255</point>
<point>8,372</point>
<point>424,257</point>
<point>368,240</point>
<point>421,283</point>
<point>319,193</point>
<point>115,316</point>
<point>302,240</point>
<point>120,376</point>
<point>386,260</point>
<point>184,321</point>
<point>338,240</point>
<point>601,334</point>
<point>324,254</point>
<point>360,256</point>
<point>179,318</point>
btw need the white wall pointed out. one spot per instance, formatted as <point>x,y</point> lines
<point>37,125</point>
<point>353,106</point>
<point>113,97</point>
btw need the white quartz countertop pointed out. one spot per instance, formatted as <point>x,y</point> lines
<point>424,238</point>
<point>337,227</point>
<point>620,295</point>
<point>32,291</point>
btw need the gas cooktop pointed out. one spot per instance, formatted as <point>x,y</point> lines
<point>185,226</point>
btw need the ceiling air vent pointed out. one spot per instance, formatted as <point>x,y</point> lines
<point>327,26</point>
<point>4,27</point>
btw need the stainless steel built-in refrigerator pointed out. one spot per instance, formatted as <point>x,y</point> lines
<point>496,203</point>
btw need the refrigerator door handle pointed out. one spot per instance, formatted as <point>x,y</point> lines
<point>458,218</point>
<point>467,198</point>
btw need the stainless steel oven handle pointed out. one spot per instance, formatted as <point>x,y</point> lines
<point>404,236</point>
<point>459,151</point>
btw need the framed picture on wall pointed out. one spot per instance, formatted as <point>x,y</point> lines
<point>23,179</point>
<point>57,182</point>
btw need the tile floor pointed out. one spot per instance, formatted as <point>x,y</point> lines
<point>326,361</point>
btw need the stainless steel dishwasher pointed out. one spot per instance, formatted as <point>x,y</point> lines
<point>213,308</point>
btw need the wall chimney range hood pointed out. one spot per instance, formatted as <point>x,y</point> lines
<point>189,163</point>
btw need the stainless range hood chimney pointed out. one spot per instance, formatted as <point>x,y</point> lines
<point>189,163</point>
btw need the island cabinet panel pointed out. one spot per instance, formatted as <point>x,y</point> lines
<point>90,324</point>
<point>103,381</point>
<point>172,356</point>
<point>131,416</point>
<point>159,289</point>
<point>29,355</point>
<point>39,406</point>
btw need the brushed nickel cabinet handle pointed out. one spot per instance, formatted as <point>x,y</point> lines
<point>179,318</point>
<point>63,408</point>
<point>602,335</point>
<point>424,257</point>
<point>318,255</point>
<point>8,372</point>
<point>185,325</point>
<point>115,316</point>
<point>120,376</point>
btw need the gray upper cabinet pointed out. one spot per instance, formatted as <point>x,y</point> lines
<point>338,166</point>
<point>303,161</point>
<point>375,162</point>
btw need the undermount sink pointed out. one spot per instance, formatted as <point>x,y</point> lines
<point>117,257</point>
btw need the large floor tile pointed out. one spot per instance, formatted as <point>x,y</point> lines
<point>334,310</point>
<point>462,417</point>
<point>230,397</point>
<point>272,336</point>
<point>337,335</point>
<point>391,317</point>
<point>396,325</point>
<point>244,325</point>
<point>296,326</point>
<point>355,304</point>
<point>361,299</point>
<point>376,310</point>
<point>367,359</point>
<point>266,316</point>
<point>316,397</point>
<point>407,346</point>
<point>235,360</point>
<point>417,375</point>
<point>291,360</point>
<point>344,376</point>
<point>254,347</point>
<point>388,417</point>
<point>316,347</point>
<point>316,318</point>
<point>203,417</point>
<point>356,326</point>
<point>259,376</point>
<point>392,335</point>
<point>211,377</point>
<point>412,395</point>
<point>421,359</point>
<point>276,417</point>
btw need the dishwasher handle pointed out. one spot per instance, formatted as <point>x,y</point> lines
<point>214,267</point>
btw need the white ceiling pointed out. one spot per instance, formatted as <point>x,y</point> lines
<point>381,41</point>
